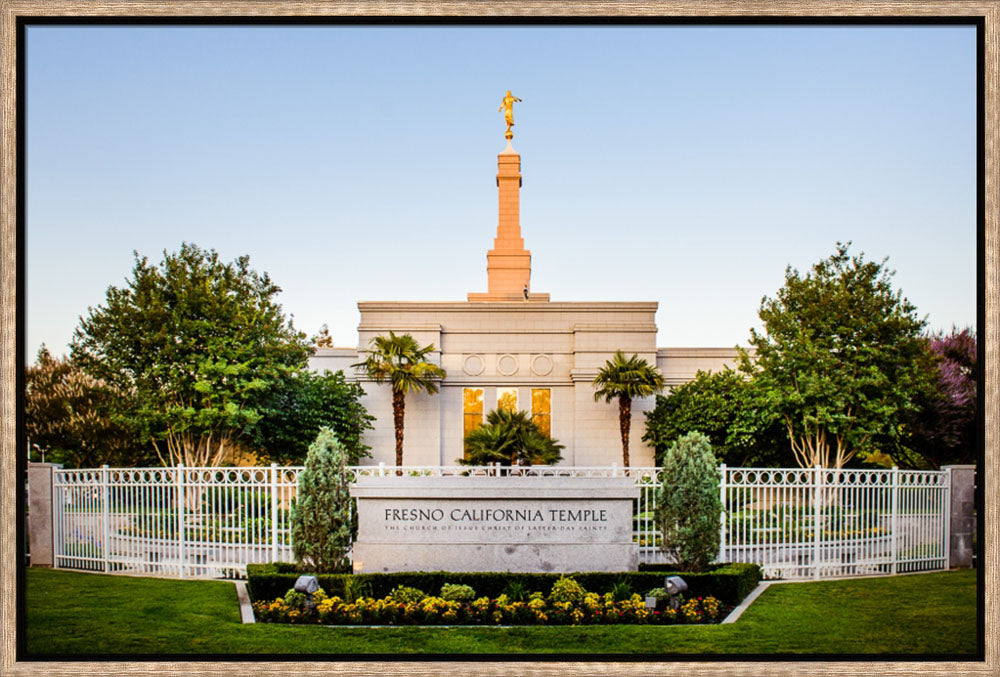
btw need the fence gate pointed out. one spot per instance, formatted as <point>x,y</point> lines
<point>812,523</point>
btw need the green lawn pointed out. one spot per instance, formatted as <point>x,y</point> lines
<point>86,614</point>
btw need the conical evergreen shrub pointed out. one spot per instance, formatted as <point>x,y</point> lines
<point>687,503</point>
<point>321,516</point>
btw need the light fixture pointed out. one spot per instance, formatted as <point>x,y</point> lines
<point>308,585</point>
<point>674,585</point>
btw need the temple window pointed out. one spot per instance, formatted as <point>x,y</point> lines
<point>472,409</point>
<point>541,409</point>
<point>507,399</point>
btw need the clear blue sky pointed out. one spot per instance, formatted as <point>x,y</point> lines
<point>684,165</point>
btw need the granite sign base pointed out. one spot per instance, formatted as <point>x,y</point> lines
<point>516,524</point>
<point>512,557</point>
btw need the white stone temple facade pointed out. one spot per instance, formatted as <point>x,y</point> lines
<point>514,347</point>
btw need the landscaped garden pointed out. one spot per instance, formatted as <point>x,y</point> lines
<point>77,614</point>
<point>500,613</point>
<point>567,601</point>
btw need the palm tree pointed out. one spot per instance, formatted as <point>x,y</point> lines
<point>400,361</point>
<point>510,438</point>
<point>625,379</point>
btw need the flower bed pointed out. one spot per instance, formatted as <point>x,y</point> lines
<point>566,604</point>
<point>729,583</point>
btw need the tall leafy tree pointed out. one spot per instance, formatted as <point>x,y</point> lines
<point>196,343</point>
<point>299,405</point>
<point>729,408</point>
<point>71,417</point>
<point>841,357</point>
<point>942,429</point>
<point>401,362</point>
<point>625,379</point>
<point>510,438</point>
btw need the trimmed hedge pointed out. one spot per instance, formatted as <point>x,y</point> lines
<point>732,581</point>
<point>729,583</point>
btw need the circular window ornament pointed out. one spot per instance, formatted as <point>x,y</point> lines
<point>541,365</point>
<point>473,365</point>
<point>507,365</point>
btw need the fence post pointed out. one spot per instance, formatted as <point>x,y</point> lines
<point>274,512</point>
<point>44,513</point>
<point>817,515</point>
<point>179,475</point>
<point>946,516</point>
<point>961,517</point>
<point>105,515</point>
<point>722,516</point>
<point>894,516</point>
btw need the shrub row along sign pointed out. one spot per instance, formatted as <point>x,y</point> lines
<point>524,524</point>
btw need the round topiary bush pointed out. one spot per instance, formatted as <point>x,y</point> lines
<point>457,593</point>
<point>402,594</point>
<point>567,590</point>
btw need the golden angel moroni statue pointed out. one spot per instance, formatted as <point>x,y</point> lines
<point>508,113</point>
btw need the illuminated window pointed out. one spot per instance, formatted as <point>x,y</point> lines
<point>472,409</point>
<point>541,409</point>
<point>507,399</point>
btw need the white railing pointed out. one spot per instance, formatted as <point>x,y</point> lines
<point>212,522</point>
<point>819,522</point>
<point>177,521</point>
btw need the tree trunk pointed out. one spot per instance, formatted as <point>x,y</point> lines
<point>625,422</point>
<point>398,407</point>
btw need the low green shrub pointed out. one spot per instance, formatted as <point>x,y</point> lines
<point>621,590</point>
<point>355,587</point>
<point>660,594</point>
<point>406,595</point>
<point>457,593</point>
<point>294,599</point>
<point>515,591</point>
<point>567,590</point>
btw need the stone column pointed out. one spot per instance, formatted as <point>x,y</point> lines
<point>963,514</point>
<point>40,517</point>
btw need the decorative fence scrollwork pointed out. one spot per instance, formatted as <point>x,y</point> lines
<point>212,522</point>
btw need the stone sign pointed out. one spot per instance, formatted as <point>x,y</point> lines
<point>525,524</point>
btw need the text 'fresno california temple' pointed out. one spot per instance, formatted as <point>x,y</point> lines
<point>513,347</point>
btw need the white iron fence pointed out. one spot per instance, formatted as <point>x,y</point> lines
<point>212,522</point>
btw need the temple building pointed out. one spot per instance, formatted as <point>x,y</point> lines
<point>513,347</point>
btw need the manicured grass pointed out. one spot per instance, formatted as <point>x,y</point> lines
<point>88,614</point>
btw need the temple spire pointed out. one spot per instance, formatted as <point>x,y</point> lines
<point>508,264</point>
